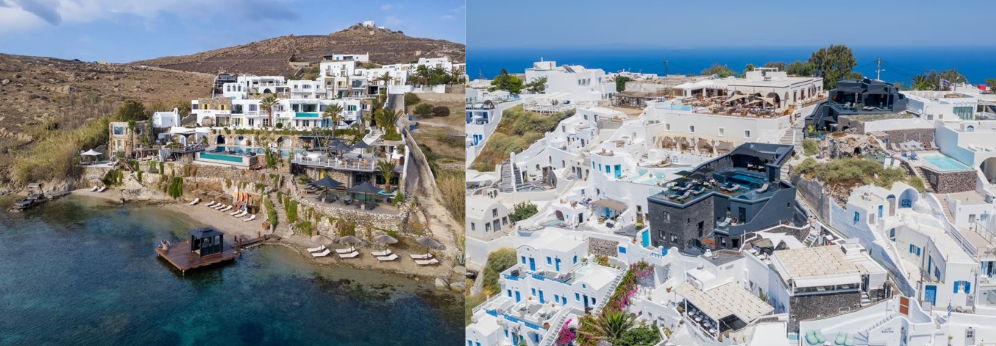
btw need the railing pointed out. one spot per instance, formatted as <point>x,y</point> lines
<point>355,165</point>
<point>551,334</point>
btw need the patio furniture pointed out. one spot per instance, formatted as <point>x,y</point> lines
<point>316,249</point>
<point>427,262</point>
<point>420,257</point>
<point>251,217</point>
<point>321,254</point>
<point>346,250</point>
<point>391,257</point>
<point>353,254</point>
<point>195,201</point>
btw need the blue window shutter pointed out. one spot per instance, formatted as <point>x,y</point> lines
<point>523,259</point>
<point>577,297</point>
<point>956,286</point>
<point>968,287</point>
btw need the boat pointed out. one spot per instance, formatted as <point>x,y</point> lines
<point>28,202</point>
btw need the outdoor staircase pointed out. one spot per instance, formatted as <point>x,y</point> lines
<point>511,177</point>
<point>861,337</point>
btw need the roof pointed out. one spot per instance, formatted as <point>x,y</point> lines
<point>769,334</point>
<point>365,187</point>
<point>611,204</point>
<point>725,300</point>
<point>204,232</point>
<point>486,325</point>
<point>554,240</point>
<point>597,276</point>
<point>477,207</point>
<point>816,266</point>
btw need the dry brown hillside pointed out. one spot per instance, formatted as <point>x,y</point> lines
<point>271,56</point>
<point>40,96</point>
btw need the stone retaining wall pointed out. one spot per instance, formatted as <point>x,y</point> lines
<point>603,247</point>
<point>948,182</point>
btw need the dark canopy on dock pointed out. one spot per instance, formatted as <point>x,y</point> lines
<point>205,232</point>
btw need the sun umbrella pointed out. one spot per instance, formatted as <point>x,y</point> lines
<point>385,239</point>
<point>430,243</point>
<point>366,189</point>
<point>350,240</point>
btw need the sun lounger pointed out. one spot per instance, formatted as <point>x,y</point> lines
<point>218,206</point>
<point>420,257</point>
<point>346,250</point>
<point>389,258</point>
<point>235,212</point>
<point>427,262</point>
<point>102,189</point>
<point>211,204</point>
<point>94,189</point>
<point>251,217</point>
<point>381,253</point>
<point>226,208</point>
<point>195,201</point>
<point>317,249</point>
<point>241,213</point>
<point>321,254</point>
<point>353,254</point>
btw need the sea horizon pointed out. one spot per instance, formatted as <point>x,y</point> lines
<point>899,64</point>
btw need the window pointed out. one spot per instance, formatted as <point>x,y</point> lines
<point>622,249</point>
<point>473,226</point>
<point>575,259</point>
<point>549,260</point>
<point>666,126</point>
<point>509,292</point>
<point>523,259</point>
<point>577,297</point>
<point>691,128</point>
<point>746,133</point>
<point>494,212</point>
<point>857,217</point>
<point>722,131</point>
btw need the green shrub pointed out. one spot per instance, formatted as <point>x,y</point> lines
<point>423,109</point>
<point>175,189</point>
<point>440,111</point>
<point>522,211</point>
<point>810,147</point>
<point>498,261</point>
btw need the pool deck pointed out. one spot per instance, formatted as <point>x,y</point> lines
<point>180,256</point>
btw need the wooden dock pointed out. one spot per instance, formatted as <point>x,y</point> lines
<point>180,256</point>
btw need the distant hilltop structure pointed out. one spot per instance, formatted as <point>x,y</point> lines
<point>371,24</point>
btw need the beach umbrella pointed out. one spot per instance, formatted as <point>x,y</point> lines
<point>430,243</point>
<point>350,240</point>
<point>385,239</point>
<point>366,188</point>
<point>327,182</point>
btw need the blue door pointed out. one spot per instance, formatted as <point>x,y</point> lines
<point>646,238</point>
<point>557,263</point>
<point>532,263</point>
<point>618,171</point>
<point>541,297</point>
<point>518,297</point>
<point>930,294</point>
<point>585,297</point>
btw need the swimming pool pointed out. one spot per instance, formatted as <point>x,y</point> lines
<point>221,157</point>
<point>944,163</point>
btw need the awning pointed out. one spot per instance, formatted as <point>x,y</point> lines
<point>611,204</point>
<point>366,187</point>
<point>725,300</point>
<point>90,152</point>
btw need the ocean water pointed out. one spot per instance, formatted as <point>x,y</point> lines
<point>899,64</point>
<point>79,271</point>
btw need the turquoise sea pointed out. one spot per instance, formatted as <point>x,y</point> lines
<point>82,272</point>
<point>899,64</point>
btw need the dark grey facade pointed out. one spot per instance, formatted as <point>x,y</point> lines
<point>724,199</point>
<point>856,97</point>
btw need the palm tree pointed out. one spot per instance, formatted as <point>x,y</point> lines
<point>386,78</point>
<point>333,112</point>
<point>267,104</point>
<point>386,168</point>
<point>611,325</point>
<point>390,117</point>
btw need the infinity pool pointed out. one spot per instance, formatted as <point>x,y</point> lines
<point>944,163</point>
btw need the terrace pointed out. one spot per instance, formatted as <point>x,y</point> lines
<point>731,183</point>
<point>742,105</point>
<point>721,309</point>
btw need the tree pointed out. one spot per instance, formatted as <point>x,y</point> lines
<point>621,83</point>
<point>386,168</point>
<point>507,82</point>
<point>991,82</point>
<point>267,104</point>
<point>722,71</point>
<point>423,109</point>
<point>537,86</point>
<point>386,78</point>
<point>610,326</point>
<point>411,99</point>
<point>748,68</point>
<point>934,80</point>
<point>440,111</point>
<point>333,112</point>
<point>775,64</point>
<point>522,211</point>
<point>833,63</point>
<point>131,111</point>
<point>421,75</point>
<point>800,68</point>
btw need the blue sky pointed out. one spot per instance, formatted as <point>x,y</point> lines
<point>684,24</point>
<point>128,30</point>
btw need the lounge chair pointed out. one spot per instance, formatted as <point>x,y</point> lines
<point>317,249</point>
<point>381,253</point>
<point>227,208</point>
<point>353,254</point>
<point>346,250</point>
<point>94,189</point>
<point>391,257</point>
<point>218,206</point>
<point>251,217</point>
<point>195,201</point>
<point>102,189</point>
<point>321,254</point>
<point>241,213</point>
<point>427,262</point>
<point>211,204</point>
<point>420,257</point>
<point>237,210</point>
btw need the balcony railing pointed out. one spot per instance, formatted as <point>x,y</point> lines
<point>352,165</point>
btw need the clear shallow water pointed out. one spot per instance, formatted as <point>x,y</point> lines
<point>77,271</point>
<point>899,64</point>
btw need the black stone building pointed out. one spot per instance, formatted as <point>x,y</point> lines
<point>721,201</point>
<point>856,97</point>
